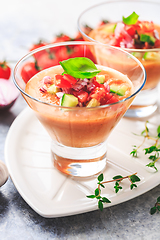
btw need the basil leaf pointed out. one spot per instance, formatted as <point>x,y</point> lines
<point>131,19</point>
<point>79,67</point>
<point>147,38</point>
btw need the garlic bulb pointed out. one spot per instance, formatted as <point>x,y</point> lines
<point>3,173</point>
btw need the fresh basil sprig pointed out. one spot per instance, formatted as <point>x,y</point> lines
<point>79,67</point>
<point>131,19</point>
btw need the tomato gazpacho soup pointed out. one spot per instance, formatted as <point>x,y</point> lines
<point>136,37</point>
<point>82,102</point>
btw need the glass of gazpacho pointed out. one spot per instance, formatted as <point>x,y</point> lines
<point>79,98</point>
<point>135,27</point>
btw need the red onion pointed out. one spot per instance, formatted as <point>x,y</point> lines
<point>90,86</point>
<point>79,85</point>
<point>8,94</point>
<point>43,88</point>
<point>47,80</point>
<point>107,87</point>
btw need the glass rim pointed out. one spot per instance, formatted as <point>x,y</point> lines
<point>76,43</point>
<point>110,2</point>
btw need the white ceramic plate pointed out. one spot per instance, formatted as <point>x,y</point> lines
<point>52,194</point>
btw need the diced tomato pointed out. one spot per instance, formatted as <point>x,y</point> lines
<point>148,26</point>
<point>97,84</point>
<point>69,78</point>
<point>61,82</point>
<point>144,26</point>
<point>117,41</point>
<point>157,43</point>
<point>113,99</point>
<point>98,93</point>
<point>103,96</point>
<point>130,30</point>
<point>82,96</point>
<point>104,100</point>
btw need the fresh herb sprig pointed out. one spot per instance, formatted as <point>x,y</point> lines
<point>156,207</point>
<point>153,150</point>
<point>117,179</point>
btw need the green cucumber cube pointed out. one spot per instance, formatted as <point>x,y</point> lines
<point>121,91</point>
<point>69,100</point>
<point>114,88</point>
<point>151,56</point>
<point>53,89</point>
<point>109,28</point>
<point>137,54</point>
<point>100,78</point>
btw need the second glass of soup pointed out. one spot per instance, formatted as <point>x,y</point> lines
<point>135,27</point>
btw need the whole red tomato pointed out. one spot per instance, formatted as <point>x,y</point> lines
<point>28,70</point>
<point>47,59</point>
<point>61,38</point>
<point>5,70</point>
<point>38,45</point>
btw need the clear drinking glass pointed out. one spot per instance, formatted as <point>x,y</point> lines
<point>112,11</point>
<point>79,134</point>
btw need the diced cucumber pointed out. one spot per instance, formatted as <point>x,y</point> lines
<point>151,56</point>
<point>100,78</point>
<point>69,100</point>
<point>137,54</point>
<point>114,88</point>
<point>109,28</point>
<point>93,103</point>
<point>53,89</point>
<point>119,90</point>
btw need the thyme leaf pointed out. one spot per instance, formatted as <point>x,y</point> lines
<point>117,179</point>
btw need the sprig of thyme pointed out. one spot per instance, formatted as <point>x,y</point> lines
<point>156,207</point>
<point>153,150</point>
<point>117,179</point>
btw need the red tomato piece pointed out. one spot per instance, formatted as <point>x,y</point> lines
<point>97,84</point>
<point>105,98</point>
<point>157,43</point>
<point>28,70</point>
<point>82,96</point>
<point>98,93</point>
<point>5,70</point>
<point>69,78</point>
<point>113,99</point>
<point>61,82</point>
<point>130,30</point>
